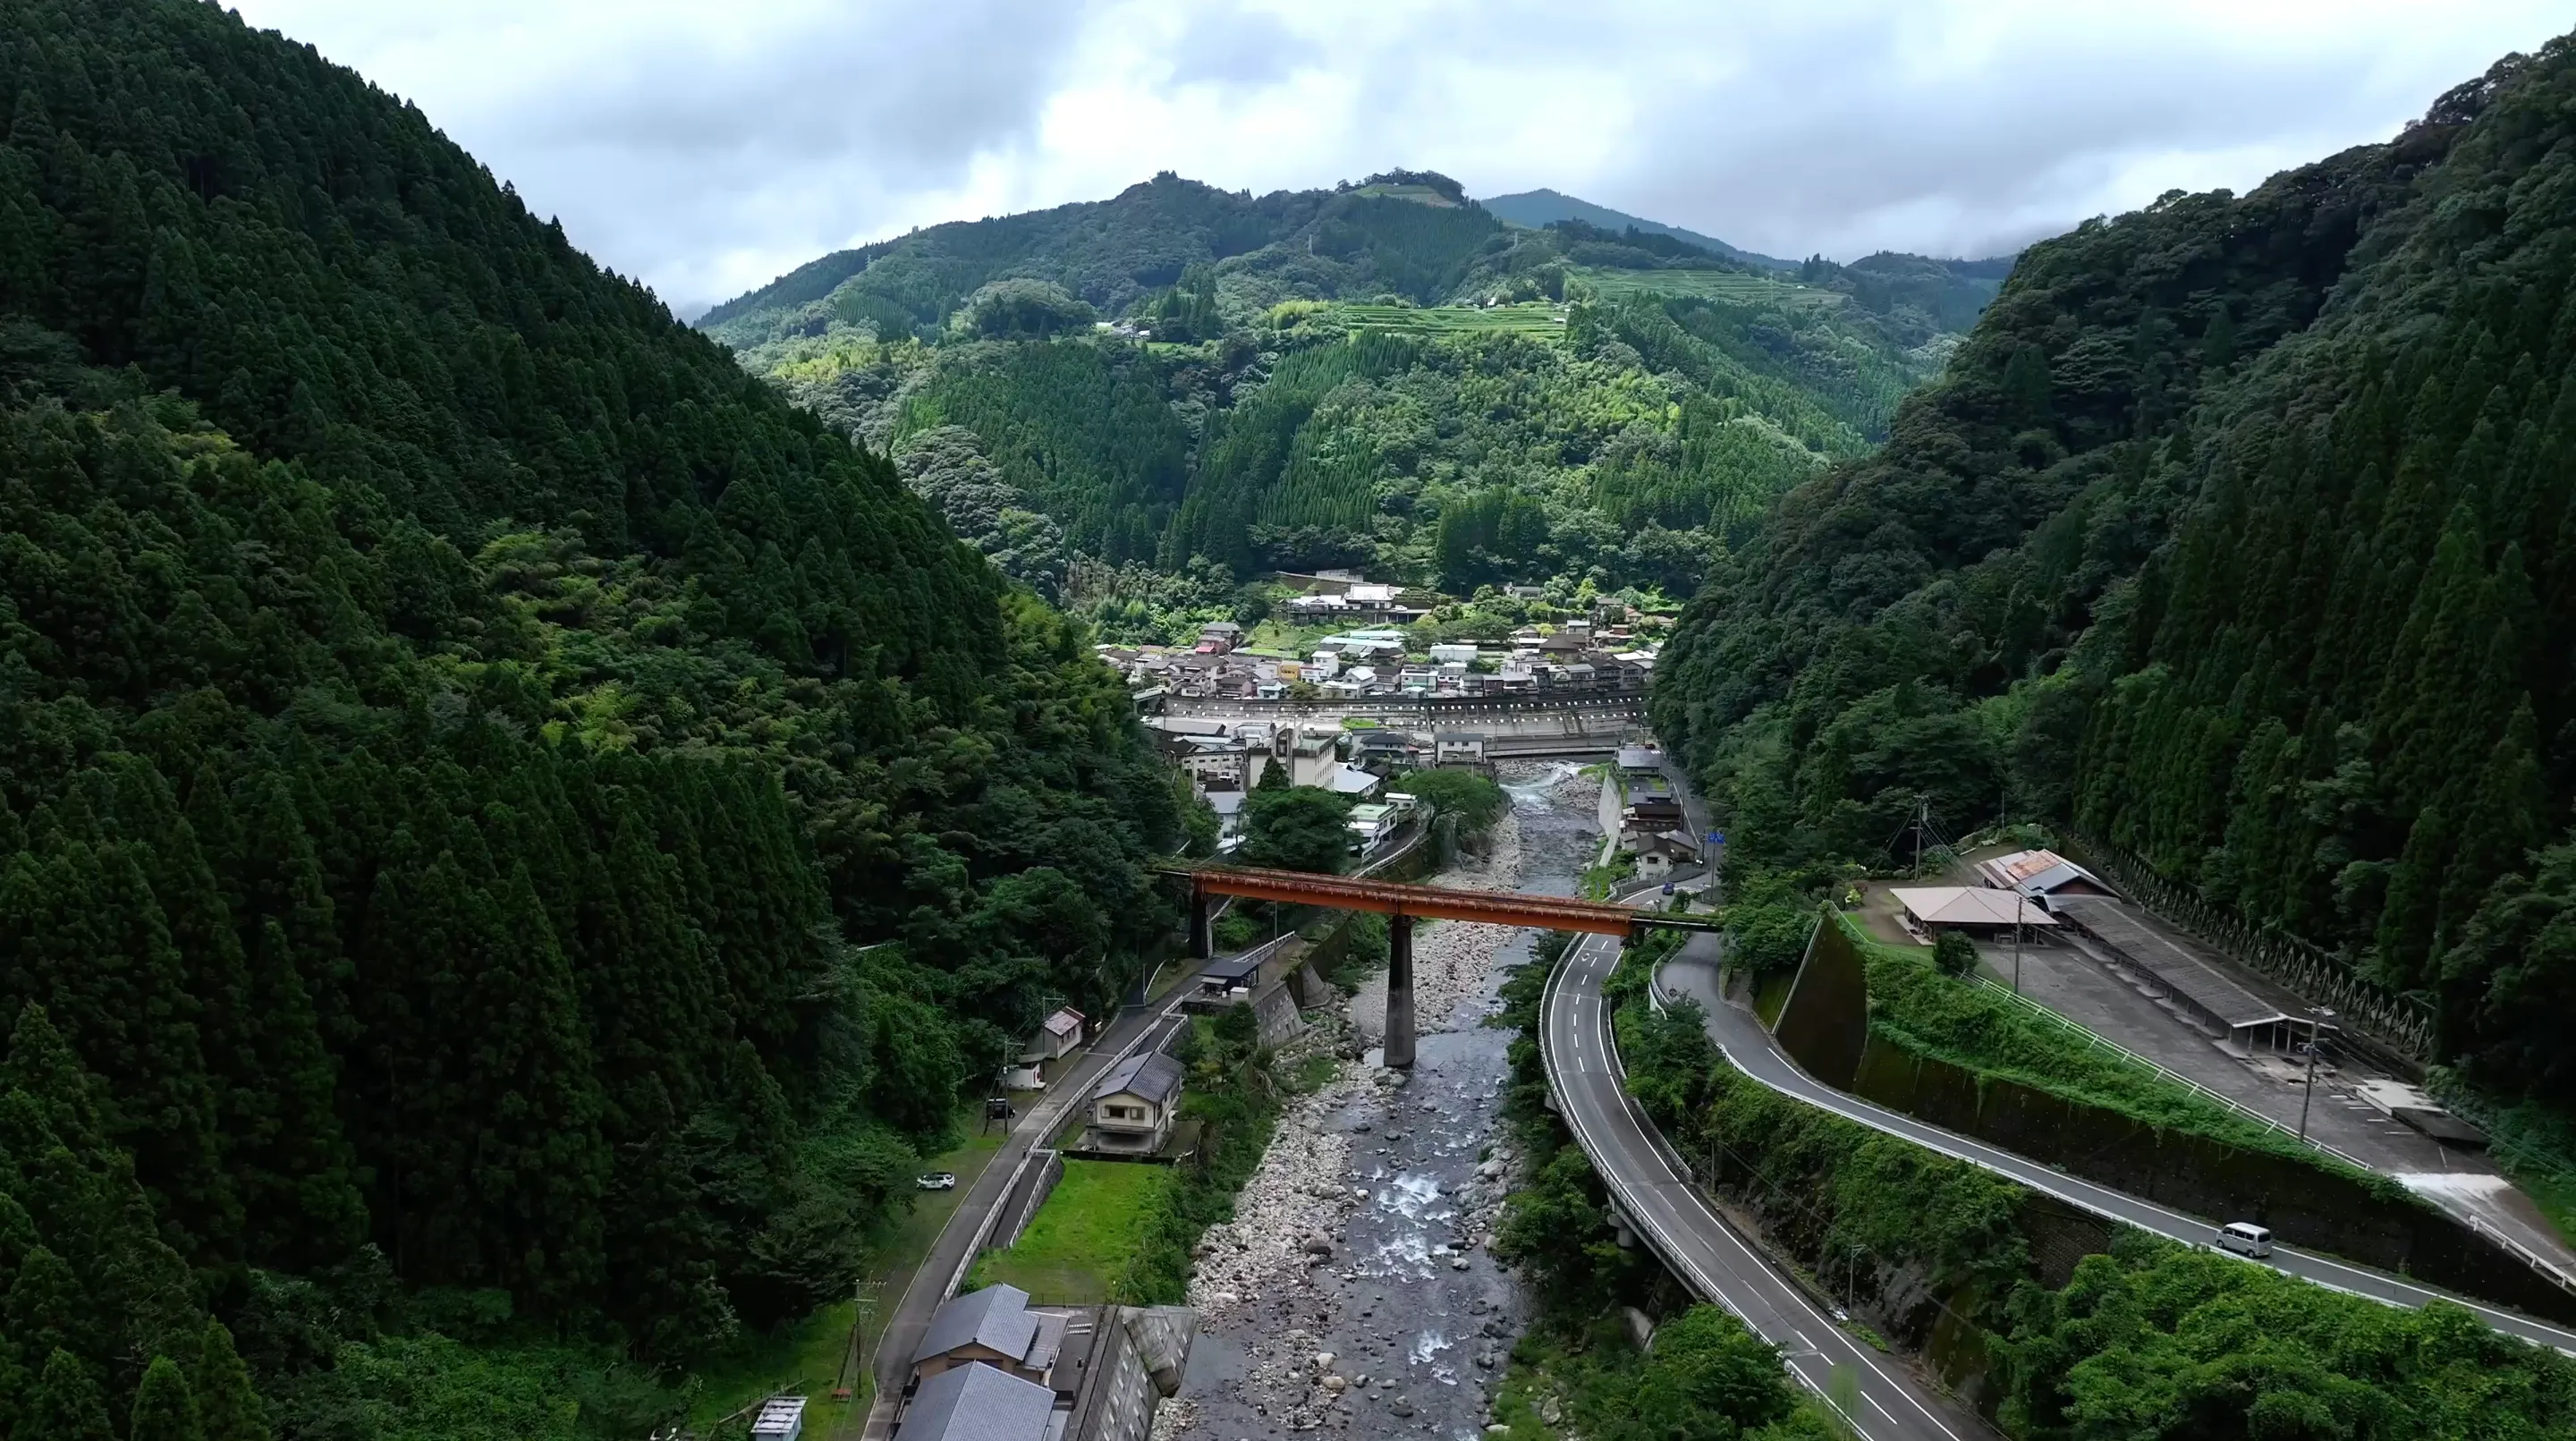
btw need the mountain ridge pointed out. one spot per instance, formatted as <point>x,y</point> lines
<point>1535,209</point>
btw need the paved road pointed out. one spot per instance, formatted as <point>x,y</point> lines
<point>1693,973</point>
<point>945,1266</point>
<point>1688,1233</point>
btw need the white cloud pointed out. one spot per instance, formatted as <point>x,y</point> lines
<point>709,147</point>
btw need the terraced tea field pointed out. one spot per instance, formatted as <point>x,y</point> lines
<point>1734,285</point>
<point>1537,319</point>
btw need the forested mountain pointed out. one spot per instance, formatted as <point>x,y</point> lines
<point>1537,209</point>
<point>1182,387</point>
<point>460,741</point>
<point>2238,533</point>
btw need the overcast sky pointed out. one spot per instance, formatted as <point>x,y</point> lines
<point>706,147</point>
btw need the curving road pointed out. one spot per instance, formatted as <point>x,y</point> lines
<point>1692,973</point>
<point>1655,1194</point>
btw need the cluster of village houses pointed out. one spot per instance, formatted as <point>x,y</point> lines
<point>1225,759</point>
<point>1602,652</point>
<point>1652,828</point>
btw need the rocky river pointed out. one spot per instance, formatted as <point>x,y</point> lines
<point>1353,1291</point>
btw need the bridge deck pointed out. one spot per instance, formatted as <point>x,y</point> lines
<point>1388,898</point>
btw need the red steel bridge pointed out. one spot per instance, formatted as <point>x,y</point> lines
<point>1402,905</point>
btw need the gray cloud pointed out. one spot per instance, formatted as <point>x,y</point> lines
<point>708,148</point>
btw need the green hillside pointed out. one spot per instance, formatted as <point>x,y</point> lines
<point>2237,533</point>
<point>461,741</point>
<point>1393,379</point>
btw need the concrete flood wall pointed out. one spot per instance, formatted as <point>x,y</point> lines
<point>1824,1027</point>
<point>1021,1207</point>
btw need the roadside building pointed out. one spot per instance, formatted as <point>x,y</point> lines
<point>1229,978</point>
<point>2041,875</point>
<point>1060,1036</point>
<point>993,1327</point>
<point>978,1403</point>
<point>1352,781</point>
<point>1383,750</point>
<point>1979,911</point>
<point>2201,986</point>
<point>1446,652</point>
<point>1313,757</point>
<point>1134,1105</point>
<point>1458,748</point>
<point>1370,824</point>
<point>1652,806</point>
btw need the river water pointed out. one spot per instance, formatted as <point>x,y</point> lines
<point>1354,1292</point>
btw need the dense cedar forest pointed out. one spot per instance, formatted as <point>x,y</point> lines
<point>495,804</point>
<point>2237,534</point>
<point>1186,387</point>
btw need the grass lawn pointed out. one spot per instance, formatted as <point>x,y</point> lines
<point>1083,1237</point>
<point>806,1356</point>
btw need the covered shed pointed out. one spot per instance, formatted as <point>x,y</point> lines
<point>1977,910</point>
<point>1219,977</point>
<point>2206,990</point>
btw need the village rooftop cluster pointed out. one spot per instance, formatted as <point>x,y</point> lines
<point>1602,652</point>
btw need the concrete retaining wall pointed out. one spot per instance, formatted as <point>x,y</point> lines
<point>2305,1205</point>
<point>1824,1025</point>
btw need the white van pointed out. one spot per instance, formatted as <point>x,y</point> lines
<point>2245,1239</point>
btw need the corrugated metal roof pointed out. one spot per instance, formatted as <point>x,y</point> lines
<point>997,1316</point>
<point>976,1402</point>
<point>1152,1075</point>
<point>2182,964</point>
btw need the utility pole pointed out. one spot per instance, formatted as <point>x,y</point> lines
<point>854,1361</point>
<point>2018,901</point>
<point>1922,818</point>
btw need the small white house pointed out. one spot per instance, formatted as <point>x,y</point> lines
<point>1371,823</point>
<point>1060,1034</point>
<point>1457,652</point>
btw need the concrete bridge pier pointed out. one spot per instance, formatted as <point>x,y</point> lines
<point>1202,926</point>
<point>1399,992</point>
